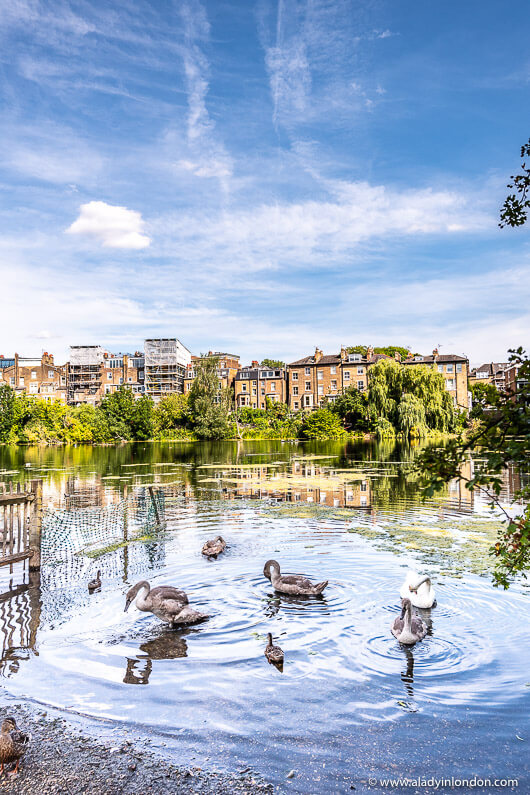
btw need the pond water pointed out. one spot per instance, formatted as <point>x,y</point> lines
<point>351,704</point>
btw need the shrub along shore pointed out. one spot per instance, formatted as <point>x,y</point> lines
<point>404,402</point>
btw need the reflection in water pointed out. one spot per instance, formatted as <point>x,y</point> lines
<point>168,645</point>
<point>341,658</point>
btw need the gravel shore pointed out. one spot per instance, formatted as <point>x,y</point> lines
<point>61,760</point>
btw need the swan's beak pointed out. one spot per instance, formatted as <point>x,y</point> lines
<point>127,603</point>
<point>413,590</point>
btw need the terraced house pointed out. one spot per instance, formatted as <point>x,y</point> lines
<point>228,368</point>
<point>320,376</point>
<point>254,384</point>
<point>39,377</point>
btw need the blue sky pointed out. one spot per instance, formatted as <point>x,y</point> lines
<point>262,177</point>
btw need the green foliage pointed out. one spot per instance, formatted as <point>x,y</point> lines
<point>352,408</point>
<point>118,409</point>
<point>502,437</point>
<point>484,396</point>
<point>413,399</point>
<point>389,350</point>
<point>322,424</point>
<point>209,404</point>
<point>274,364</point>
<point>7,411</point>
<point>143,420</point>
<point>514,211</point>
<point>170,413</point>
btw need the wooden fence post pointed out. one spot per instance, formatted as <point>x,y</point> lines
<point>155,506</point>
<point>35,525</point>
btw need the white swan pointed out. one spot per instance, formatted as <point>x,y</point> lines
<point>418,589</point>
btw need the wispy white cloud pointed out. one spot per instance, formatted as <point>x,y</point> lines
<point>208,156</point>
<point>113,227</point>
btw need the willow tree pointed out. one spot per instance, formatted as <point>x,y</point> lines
<point>412,398</point>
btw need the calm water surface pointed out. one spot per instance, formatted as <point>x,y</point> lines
<point>351,703</point>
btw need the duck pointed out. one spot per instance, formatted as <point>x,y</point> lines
<point>13,744</point>
<point>214,547</point>
<point>95,585</point>
<point>419,590</point>
<point>165,602</point>
<point>273,653</point>
<point>408,628</point>
<point>295,584</point>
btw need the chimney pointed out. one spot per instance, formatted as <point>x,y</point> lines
<point>254,363</point>
<point>409,356</point>
<point>369,353</point>
<point>435,353</point>
<point>397,356</point>
<point>318,355</point>
<point>343,353</point>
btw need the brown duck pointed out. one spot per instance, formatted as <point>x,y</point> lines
<point>214,547</point>
<point>273,653</point>
<point>13,744</point>
<point>95,585</point>
<point>295,584</point>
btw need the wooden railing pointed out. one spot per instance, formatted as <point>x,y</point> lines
<point>20,523</point>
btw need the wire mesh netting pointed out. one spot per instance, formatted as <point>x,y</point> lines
<point>68,532</point>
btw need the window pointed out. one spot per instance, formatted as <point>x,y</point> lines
<point>254,390</point>
<point>63,381</point>
<point>449,368</point>
<point>363,485</point>
<point>262,390</point>
<point>450,383</point>
<point>320,375</point>
<point>295,404</point>
<point>33,388</point>
<point>308,386</point>
<point>308,371</point>
<point>333,385</point>
<point>321,389</point>
<point>360,370</point>
<point>50,374</point>
<point>482,374</point>
<point>295,390</point>
<point>243,387</point>
<point>346,375</point>
<point>273,386</point>
<point>294,376</point>
<point>333,369</point>
<point>109,376</point>
<point>33,373</point>
<point>121,380</point>
<point>459,367</point>
<point>12,381</point>
<point>21,380</point>
<point>130,380</point>
<point>360,386</point>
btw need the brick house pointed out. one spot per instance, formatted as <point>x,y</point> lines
<point>254,384</point>
<point>490,373</point>
<point>320,376</point>
<point>228,368</point>
<point>36,377</point>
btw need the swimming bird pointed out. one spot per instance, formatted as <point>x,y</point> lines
<point>273,653</point>
<point>165,602</point>
<point>295,584</point>
<point>419,590</point>
<point>95,585</point>
<point>214,547</point>
<point>408,628</point>
<point>13,744</point>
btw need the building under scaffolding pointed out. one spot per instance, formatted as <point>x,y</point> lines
<point>84,374</point>
<point>165,366</point>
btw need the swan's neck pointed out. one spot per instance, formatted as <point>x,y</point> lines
<point>407,620</point>
<point>142,598</point>
<point>424,581</point>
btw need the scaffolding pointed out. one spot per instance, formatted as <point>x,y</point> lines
<point>84,373</point>
<point>166,360</point>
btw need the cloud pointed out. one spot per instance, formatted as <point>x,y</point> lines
<point>208,155</point>
<point>110,225</point>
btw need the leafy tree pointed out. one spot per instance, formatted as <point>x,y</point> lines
<point>274,364</point>
<point>389,350</point>
<point>172,412</point>
<point>7,411</point>
<point>483,395</point>
<point>118,408</point>
<point>411,416</point>
<point>514,211</point>
<point>352,407</point>
<point>209,404</point>
<point>321,424</point>
<point>503,439</point>
<point>142,422</point>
